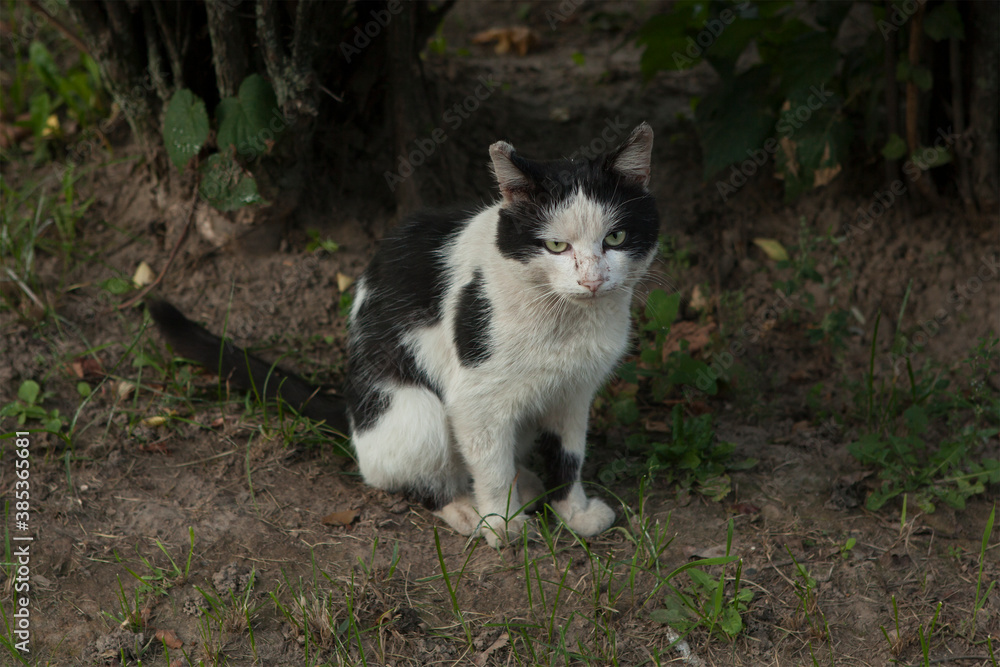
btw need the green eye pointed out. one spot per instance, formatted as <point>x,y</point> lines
<point>556,246</point>
<point>615,238</point>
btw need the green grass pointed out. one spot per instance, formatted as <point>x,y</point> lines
<point>927,440</point>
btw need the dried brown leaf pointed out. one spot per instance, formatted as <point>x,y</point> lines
<point>343,518</point>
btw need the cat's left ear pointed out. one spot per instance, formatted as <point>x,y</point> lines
<point>514,185</point>
<point>631,160</point>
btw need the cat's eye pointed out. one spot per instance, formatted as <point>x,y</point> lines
<point>556,246</point>
<point>615,238</point>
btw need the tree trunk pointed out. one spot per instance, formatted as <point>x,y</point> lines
<point>305,49</point>
<point>984,107</point>
<point>113,33</point>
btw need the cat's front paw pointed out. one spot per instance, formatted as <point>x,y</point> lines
<point>592,518</point>
<point>500,531</point>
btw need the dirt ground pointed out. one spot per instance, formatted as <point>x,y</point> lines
<point>256,492</point>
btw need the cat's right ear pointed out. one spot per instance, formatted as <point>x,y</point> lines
<point>514,185</point>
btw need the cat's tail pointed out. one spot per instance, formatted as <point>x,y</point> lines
<point>243,371</point>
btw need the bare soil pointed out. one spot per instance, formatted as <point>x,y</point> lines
<point>254,495</point>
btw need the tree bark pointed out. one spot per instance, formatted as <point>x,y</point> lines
<point>113,34</point>
<point>230,46</point>
<point>984,106</point>
<point>148,50</point>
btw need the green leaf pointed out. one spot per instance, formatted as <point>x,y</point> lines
<point>734,120</point>
<point>45,65</point>
<point>626,411</point>
<point>244,120</point>
<point>690,371</point>
<point>716,488</point>
<point>927,158</point>
<point>185,127</point>
<point>628,372</point>
<point>731,623</point>
<point>661,310</point>
<point>226,185</point>
<point>868,449</point>
<point>83,389</point>
<point>922,77</point>
<point>881,496</point>
<point>667,43</point>
<point>52,424</point>
<point>28,391</point>
<point>578,58</point>
<point>116,285</point>
<point>772,249</point>
<point>894,148</point>
<point>39,108</point>
<point>808,62</point>
<point>916,419</point>
<point>944,22</point>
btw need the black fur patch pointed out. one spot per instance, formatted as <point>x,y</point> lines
<point>562,468</point>
<point>431,501</point>
<point>405,284</point>
<point>551,183</point>
<point>368,407</point>
<point>472,323</point>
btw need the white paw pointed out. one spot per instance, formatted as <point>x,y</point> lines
<point>461,515</point>
<point>499,531</point>
<point>593,518</point>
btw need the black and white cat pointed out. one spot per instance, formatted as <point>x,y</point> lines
<point>475,339</point>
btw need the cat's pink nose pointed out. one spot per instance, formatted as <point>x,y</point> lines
<point>592,285</point>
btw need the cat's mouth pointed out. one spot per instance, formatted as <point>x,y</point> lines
<point>588,296</point>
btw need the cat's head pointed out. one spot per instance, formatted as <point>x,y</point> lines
<point>582,229</point>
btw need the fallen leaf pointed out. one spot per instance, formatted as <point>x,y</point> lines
<point>343,281</point>
<point>87,368</point>
<point>484,655</point>
<point>559,114</point>
<point>772,249</point>
<point>801,425</point>
<point>51,126</point>
<point>521,38</point>
<point>745,508</point>
<point>697,335</point>
<point>143,275</point>
<point>824,175</point>
<point>344,518</point>
<point>169,638</point>
<point>159,447</point>
<point>788,147</point>
<point>654,426</point>
<point>800,375</point>
<point>125,388</point>
<point>158,420</point>
<point>698,300</point>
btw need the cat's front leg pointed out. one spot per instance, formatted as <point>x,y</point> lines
<point>489,451</point>
<point>563,443</point>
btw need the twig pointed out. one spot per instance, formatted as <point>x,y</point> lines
<point>958,112</point>
<point>60,26</point>
<point>924,184</point>
<point>177,246</point>
<point>24,287</point>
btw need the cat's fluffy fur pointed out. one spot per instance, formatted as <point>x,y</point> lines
<point>472,342</point>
